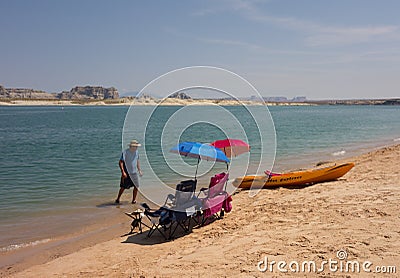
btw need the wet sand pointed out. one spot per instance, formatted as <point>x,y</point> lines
<point>358,214</point>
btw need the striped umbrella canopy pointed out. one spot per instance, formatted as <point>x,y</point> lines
<point>231,147</point>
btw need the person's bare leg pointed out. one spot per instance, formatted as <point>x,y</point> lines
<point>121,190</point>
<point>135,191</point>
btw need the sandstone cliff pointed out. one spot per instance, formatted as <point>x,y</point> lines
<point>77,93</point>
<point>14,93</point>
<point>180,95</point>
<point>90,92</point>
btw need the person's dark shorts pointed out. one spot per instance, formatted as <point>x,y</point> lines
<point>128,183</point>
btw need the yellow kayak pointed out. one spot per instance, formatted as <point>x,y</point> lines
<point>294,178</point>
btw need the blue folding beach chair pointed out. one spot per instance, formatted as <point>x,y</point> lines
<point>177,211</point>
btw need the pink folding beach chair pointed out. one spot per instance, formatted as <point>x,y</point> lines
<point>217,201</point>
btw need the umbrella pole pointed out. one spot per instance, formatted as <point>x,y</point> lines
<point>197,167</point>
<point>227,172</point>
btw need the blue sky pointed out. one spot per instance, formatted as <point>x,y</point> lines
<point>320,49</point>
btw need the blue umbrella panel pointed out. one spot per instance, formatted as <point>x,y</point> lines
<point>200,151</point>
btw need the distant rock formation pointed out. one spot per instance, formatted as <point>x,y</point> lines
<point>90,92</point>
<point>144,96</point>
<point>285,99</point>
<point>77,93</point>
<point>299,99</point>
<point>276,99</point>
<point>18,93</point>
<point>391,102</point>
<point>180,95</point>
<point>3,92</point>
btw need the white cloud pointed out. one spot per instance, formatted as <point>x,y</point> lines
<point>320,35</point>
<point>350,35</point>
<point>254,47</point>
<point>315,34</point>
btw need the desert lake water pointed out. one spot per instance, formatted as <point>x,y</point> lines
<point>60,165</point>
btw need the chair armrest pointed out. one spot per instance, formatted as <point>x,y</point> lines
<point>145,206</point>
<point>202,190</point>
<point>171,197</point>
<point>169,200</point>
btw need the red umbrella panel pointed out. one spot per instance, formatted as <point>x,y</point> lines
<point>231,147</point>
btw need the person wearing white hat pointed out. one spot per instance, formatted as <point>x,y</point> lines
<point>130,170</point>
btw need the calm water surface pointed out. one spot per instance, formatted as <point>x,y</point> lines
<point>60,162</point>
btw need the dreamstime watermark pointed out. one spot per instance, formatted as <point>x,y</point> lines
<point>159,127</point>
<point>339,264</point>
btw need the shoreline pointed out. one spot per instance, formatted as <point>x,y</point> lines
<point>152,102</point>
<point>379,161</point>
<point>102,206</point>
<point>185,102</point>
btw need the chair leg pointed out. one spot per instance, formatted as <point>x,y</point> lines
<point>164,234</point>
<point>197,219</point>
<point>156,227</point>
<point>140,226</point>
<point>186,228</point>
<point>171,233</point>
<point>137,222</point>
<point>151,231</point>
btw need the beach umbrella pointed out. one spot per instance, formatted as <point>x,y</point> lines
<point>231,147</point>
<point>200,151</point>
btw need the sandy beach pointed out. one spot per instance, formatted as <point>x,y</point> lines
<point>356,216</point>
<point>146,102</point>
